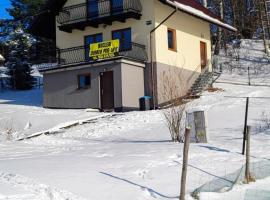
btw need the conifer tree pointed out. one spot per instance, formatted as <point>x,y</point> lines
<point>18,64</point>
<point>18,42</point>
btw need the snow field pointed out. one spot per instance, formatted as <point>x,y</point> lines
<point>129,155</point>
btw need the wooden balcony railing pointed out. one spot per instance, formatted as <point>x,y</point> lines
<point>103,12</point>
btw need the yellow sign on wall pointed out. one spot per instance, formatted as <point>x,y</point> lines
<point>103,50</point>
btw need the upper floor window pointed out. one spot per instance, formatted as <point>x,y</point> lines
<point>90,39</point>
<point>171,35</point>
<point>117,6</point>
<point>93,11</point>
<point>124,35</point>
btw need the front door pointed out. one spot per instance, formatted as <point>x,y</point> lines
<point>107,90</point>
<point>203,55</point>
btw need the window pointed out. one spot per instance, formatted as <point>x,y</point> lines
<point>124,35</point>
<point>171,39</point>
<point>84,81</point>
<point>90,39</point>
<point>117,6</point>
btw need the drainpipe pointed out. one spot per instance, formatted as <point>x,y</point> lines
<point>151,57</point>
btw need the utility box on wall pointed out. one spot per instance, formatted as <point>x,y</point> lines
<point>198,124</point>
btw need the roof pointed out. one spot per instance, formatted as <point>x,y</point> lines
<point>194,8</point>
<point>44,24</point>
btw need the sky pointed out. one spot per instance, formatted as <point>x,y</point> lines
<point>3,5</point>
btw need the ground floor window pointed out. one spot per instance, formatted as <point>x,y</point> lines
<point>84,81</point>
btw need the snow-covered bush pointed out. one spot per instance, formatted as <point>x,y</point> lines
<point>174,119</point>
<point>6,130</point>
<point>264,122</point>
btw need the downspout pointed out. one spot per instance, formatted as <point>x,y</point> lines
<point>151,58</point>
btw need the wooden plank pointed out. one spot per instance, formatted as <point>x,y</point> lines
<point>200,125</point>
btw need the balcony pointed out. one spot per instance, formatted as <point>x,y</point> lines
<point>79,56</point>
<point>101,12</point>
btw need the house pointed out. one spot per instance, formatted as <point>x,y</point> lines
<point>112,52</point>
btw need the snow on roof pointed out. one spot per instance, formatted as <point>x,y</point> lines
<point>197,10</point>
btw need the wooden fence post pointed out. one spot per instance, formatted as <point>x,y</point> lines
<point>185,164</point>
<point>247,173</point>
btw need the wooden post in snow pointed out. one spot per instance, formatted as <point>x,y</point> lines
<point>247,173</point>
<point>245,126</point>
<point>185,164</point>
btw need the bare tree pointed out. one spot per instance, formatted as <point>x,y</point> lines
<point>220,31</point>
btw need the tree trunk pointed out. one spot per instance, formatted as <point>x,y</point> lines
<point>219,34</point>
<point>185,164</point>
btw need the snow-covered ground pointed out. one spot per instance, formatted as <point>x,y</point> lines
<point>254,191</point>
<point>129,155</point>
<point>250,56</point>
<point>22,113</point>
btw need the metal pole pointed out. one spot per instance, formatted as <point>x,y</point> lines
<point>245,127</point>
<point>185,164</point>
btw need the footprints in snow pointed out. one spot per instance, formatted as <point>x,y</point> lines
<point>36,190</point>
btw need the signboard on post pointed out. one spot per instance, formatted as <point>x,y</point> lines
<point>103,50</point>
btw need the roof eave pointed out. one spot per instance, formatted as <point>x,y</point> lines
<point>202,16</point>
